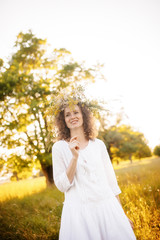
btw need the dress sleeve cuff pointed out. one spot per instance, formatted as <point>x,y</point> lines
<point>63,183</point>
<point>117,191</point>
<point>68,184</point>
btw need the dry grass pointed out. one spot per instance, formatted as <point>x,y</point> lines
<point>30,211</point>
<point>21,188</point>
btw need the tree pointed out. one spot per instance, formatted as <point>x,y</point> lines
<point>27,83</point>
<point>112,139</point>
<point>134,144</point>
<point>156,150</point>
<point>124,143</point>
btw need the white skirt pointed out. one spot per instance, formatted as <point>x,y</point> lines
<point>104,220</point>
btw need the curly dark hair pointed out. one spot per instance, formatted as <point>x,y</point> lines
<point>88,124</point>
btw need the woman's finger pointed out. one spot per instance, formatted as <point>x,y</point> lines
<point>73,138</point>
<point>74,144</point>
<point>74,141</point>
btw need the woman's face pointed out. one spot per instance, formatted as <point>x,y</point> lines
<point>73,117</point>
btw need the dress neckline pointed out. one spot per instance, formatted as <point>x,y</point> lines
<point>85,146</point>
<point>82,148</point>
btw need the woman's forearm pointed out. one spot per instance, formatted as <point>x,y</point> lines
<point>119,199</point>
<point>71,170</point>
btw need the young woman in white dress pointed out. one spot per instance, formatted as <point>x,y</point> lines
<point>83,171</point>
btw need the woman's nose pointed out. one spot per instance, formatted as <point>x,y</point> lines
<point>72,115</point>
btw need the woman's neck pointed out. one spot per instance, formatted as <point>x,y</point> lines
<point>79,132</point>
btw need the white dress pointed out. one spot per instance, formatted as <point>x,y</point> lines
<point>90,210</point>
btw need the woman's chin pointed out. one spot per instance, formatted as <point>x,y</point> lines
<point>75,126</point>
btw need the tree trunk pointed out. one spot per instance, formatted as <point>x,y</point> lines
<point>130,158</point>
<point>48,173</point>
<point>15,174</point>
<point>109,152</point>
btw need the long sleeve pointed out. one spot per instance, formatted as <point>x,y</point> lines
<point>59,170</point>
<point>110,174</point>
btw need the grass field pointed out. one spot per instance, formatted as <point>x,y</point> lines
<point>29,210</point>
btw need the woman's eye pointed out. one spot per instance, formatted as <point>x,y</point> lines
<point>75,112</point>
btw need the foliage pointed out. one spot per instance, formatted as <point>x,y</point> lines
<point>33,212</point>
<point>156,150</point>
<point>28,83</point>
<point>124,143</point>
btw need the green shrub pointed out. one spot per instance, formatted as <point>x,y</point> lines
<point>156,150</point>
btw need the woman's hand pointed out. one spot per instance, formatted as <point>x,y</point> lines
<point>74,147</point>
<point>132,225</point>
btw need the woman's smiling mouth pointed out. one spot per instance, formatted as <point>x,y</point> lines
<point>73,122</point>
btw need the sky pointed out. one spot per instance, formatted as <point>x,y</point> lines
<point>123,35</point>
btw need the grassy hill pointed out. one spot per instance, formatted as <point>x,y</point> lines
<point>29,210</point>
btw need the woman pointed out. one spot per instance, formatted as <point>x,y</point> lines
<point>83,171</point>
